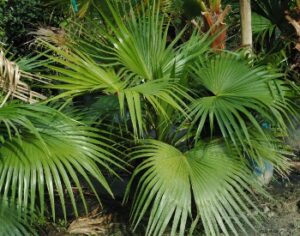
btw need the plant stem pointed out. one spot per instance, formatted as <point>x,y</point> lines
<point>202,6</point>
<point>245,11</point>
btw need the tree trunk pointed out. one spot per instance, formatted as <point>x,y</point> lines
<point>245,11</point>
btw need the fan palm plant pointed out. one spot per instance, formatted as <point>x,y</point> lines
<point>170,88</point>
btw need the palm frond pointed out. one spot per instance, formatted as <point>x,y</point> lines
<point>238,96</point>
<point>31,64</point>
<point>170,182</point>
<point>262,27</point>
<point>53,162</point>
<point>17,118</point>
<point>272,150</point>
<point>84,75</point>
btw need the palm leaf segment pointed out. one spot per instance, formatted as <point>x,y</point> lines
<point>238,97</point>
<point>206,175</point>
<point>12,222</point>
<point>47,155</point>
<point>262,27</point>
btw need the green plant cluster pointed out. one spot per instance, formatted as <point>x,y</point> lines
<point>195,131</point>
<point>20,18</point>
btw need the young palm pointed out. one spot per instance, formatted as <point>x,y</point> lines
<point>163,86</point>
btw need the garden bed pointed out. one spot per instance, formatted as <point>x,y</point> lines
<point>282,215</point>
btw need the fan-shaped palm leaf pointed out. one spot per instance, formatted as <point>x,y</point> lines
<point>262,27</point>
<point>172,181</point>
<point>238,96</point>
<point>51,159</point>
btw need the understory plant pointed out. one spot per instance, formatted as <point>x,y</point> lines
<point>45,154</point>
<point>276,37</point>
<point>189,123</point>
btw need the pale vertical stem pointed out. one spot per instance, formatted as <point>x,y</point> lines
<point>245,11</point>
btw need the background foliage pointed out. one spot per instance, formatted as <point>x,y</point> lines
<point>19,18</point>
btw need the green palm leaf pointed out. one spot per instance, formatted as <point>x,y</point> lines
<point>170,182</point>
<point>237,96</point>
<point>54,161</point>
<point>15,117</point>
<point>273,149</point>
<point>262,27</point>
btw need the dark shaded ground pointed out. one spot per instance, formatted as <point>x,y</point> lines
<point>282,215</point>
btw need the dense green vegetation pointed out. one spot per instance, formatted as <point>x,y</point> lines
<point>150,91</point>
<point>20,18</point>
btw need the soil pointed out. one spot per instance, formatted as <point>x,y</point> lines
<point>282,215</point>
